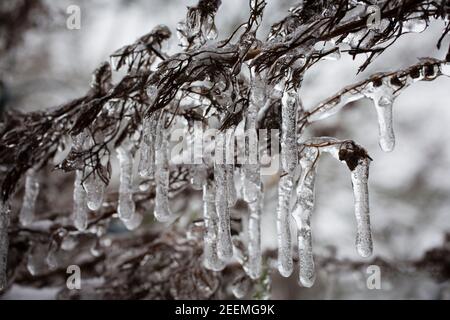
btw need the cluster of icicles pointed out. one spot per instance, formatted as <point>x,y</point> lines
<point>220,194</point>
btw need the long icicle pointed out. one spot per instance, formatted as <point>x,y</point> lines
<point>80,209</point>
<point>225,247</point>
<point>252,179</point>
<point>198,168</point>
<point>147,147</point>
<point>302,214</point>
<point>162,174</point>
<point>285,264</point>
<point>289,153</point>
<point>126,206</point>
<point>4,241</point>
<point>29,200</point>
<point>229,160</point>
<point>252,186</point>
<point>386,136</point>
<point>210,240</point>
<point>254,266</point>
<point>360,177</point>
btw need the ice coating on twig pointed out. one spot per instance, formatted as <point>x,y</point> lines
<point>29,199</point>
<point>302,214</point>
<point>285,264</point>
<point>360,177</point>
<point>382,89</point>
<point>4,241</point>
<point>210,239</point>
<point>126,207</point>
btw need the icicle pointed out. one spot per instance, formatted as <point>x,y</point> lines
<point>80,210</point>
<point>360,176</point>
<point>225,248</point>
<point>229,160</point>
<point>283,226</point>
<point>95,190</point>
<point>198,170</point>
<point>162,175</point>
<point>210,241</point>
<point>385,123</point>
<point>289,153</point>
<point>29,200</point>
<point>37,259</point>
<point>253,267</point>
<point>126,206</point>
<point>147,148</point>
<point>252,179</point>
<point>382,95</point>
<point>241,286</point>
<point>4,241</point>
<point>134,222</point>
<point>302,215</point>
<point>231,187</point>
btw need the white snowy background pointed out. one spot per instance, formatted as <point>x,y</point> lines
<point>409,188</point>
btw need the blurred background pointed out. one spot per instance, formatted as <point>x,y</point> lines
<point>409,188</point>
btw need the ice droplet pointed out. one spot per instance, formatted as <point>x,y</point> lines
<point>29,200</point>
<point>241,286</point>
<point>134,222</point>
<point>95,189</point>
